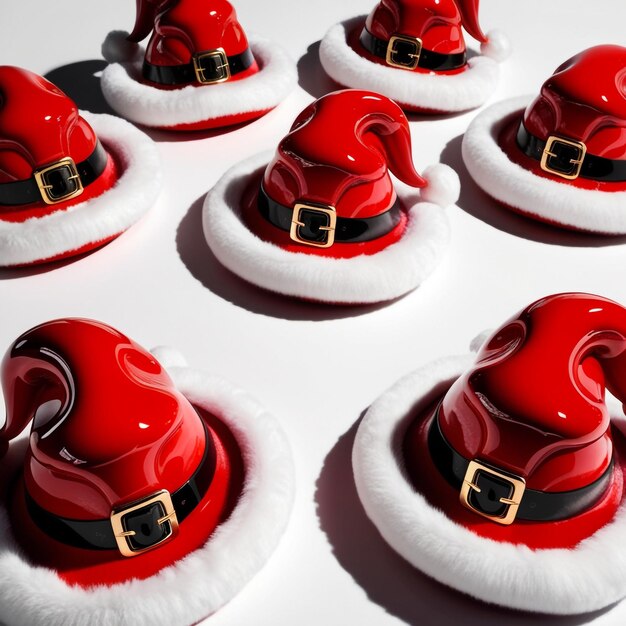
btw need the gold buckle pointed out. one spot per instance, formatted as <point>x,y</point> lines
<point>296,224</point>
<point>41,178</point>
<point>122,535</point>
<point>414,56</point>
<point>469,485</point>
<point>548,154</point>
<point>222,66</point>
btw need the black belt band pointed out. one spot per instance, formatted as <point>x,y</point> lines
<point>98,534</point>
<point>428,59</point>
<point>543,506</point>
<point>347,230</point>
<point>28,191</point>
<point>209,64</point>
<point>593,167</point>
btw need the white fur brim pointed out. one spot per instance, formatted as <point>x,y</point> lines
<point>585,209</point>
<point>586,578</point>
<point>203,581</point>
<point>151,106</point>
<point>437,92</point>
<point>99,218</point>
<point>363,279</point>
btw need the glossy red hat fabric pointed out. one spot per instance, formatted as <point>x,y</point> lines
<point>41,126</point>
<point>180,29</point>
<point>534,402</point>
<point>533,405</point>
<point>70,181</point>
<point>195,47</point>
<point>414,52</point>
<point>249,494</point>
<point>201,24</point>
<point>563,156</point>
<point>339,153</point>
<point>585,100</point>
<point>324,220</point>
<point>109,430</point>
<point>530,408</point>
<point>438,23</point>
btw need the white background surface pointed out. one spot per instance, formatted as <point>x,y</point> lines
<point>317,368</point>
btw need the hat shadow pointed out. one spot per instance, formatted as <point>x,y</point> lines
<point>476,202</point>
<point>311,75</point>
<point>163,135</point>
<point>81,82</point>
<point>389,580</point>
<point>17,272</point>
<point>203,265</point>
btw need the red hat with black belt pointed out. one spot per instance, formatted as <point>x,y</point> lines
<point>199,69</point>
<point>514,482</point>
<point>123,481</point>
<point>324,220</point>
<point>562,158</point>
<point>414,52</point>
<point>55,158</point>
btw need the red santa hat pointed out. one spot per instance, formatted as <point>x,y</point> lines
<point>198,70</point>
<point>562,158</point>
<point>128,497</point>
<point>511,487</point>
<point>414,52</point>
<point>55,157</point>
<point>324,220</point>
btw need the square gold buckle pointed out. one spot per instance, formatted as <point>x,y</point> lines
<point>221,66</point>
<point>46,188</point>
<point>330,214</point>
<point>548,154</point>
<point>470,486</point>
<point>413,57</point>
<point>124,535</point>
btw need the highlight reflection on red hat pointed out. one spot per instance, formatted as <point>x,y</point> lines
<point>323,220</point>
<point>562,158</point>
<point>514,483</point>
<point>199,69</point>
<point>55,157</point>
<point>414,52</point>
<point>123,477</point>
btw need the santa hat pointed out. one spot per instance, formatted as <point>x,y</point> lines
<point>413,51</point>
<point>562,158</point>
<point>324,220</point>
<point>198,71</point>
<point>138,495</point>
<point>70,181</point>
<point>511,487</point>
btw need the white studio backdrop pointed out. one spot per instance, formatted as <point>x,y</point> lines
<point>317,368</point>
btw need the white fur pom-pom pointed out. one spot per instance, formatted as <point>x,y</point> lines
<point>443,185</point>
<point>497,46</point>
<point>117,49</point>
<point>477,343</point>
<point>168,357</point>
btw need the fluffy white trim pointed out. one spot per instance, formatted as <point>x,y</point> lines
<point>585,209</point>
<point>388,274</point>
<point>449,93</point>
<point>169,357</point>
<point>497,46</point>
<point>151,106</point>
<point>116,48</point>
<point>97,219</point>
<point>203,581</point>
<point>557,581</point>
<point>443,185</point>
